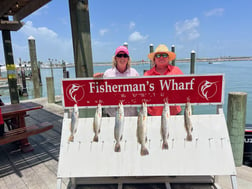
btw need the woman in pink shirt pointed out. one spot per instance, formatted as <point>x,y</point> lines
<point>120,68</point>
<point>161,59</point>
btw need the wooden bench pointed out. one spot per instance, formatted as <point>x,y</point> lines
<point>24,132</point>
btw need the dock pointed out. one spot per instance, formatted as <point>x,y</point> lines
<point>38,169</point>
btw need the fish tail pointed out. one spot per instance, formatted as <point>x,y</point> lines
<point>165,145</point>
<point>189,137</point>
<point>144,151</point>
<point>71,138</point>
<point>117,147</point>
<point>96,139</point>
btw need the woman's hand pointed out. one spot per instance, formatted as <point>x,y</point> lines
<point>98,75</point>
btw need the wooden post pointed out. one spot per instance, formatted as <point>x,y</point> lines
<point>151,50</point>
<point>65,72</point>
<point>192,66</point>
<point>11,69</point>
<point>80,25</point>
<point>34,67</point>
<point>50,90</point>
<point>24,89</point>
<point>236,120</point>
<point>23,79</point>
<point>173,50</point>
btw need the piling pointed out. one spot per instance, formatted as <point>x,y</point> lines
<point>236,120</point>
<point>125,44</point>
<point>80,24</point>
<point>192,65</point>
<point>173,50</point>
<point>65,72</point>
<point>151,50</point>
<point>50,90</point>
<point>34,67</point>
<point>24,89</point>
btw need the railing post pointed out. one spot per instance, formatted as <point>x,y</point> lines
<point>236,118</point>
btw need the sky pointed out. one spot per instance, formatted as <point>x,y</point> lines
<point>212,28</point>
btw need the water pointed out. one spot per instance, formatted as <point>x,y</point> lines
<point>236,73</point>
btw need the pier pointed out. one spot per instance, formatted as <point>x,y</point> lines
<point>38,169</point>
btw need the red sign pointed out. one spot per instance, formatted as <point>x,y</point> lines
<point>88,92</point>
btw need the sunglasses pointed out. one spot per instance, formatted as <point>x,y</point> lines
<point>163,55</point>
<point>122,55</point>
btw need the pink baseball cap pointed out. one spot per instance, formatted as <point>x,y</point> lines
<point>122,49</point>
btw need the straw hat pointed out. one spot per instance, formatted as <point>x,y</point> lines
<point>162,49</point>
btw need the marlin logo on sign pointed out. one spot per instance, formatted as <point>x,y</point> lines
<point>75,92</point>
<point>207,89</point>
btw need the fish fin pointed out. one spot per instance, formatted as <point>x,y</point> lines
<point>71,138</point>
<point>165,145</point>
<point>189,137</point>
<point>96,139</point>
<point>144,151</point>
<point>117,147</point>
<point>121,137</point>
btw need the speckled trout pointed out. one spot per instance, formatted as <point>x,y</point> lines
<point>142,129</point>
<point>97,122</point>
<point>119,124</point>
<point>188,121</point>
<point>165,125</point>
<point>74,122</point>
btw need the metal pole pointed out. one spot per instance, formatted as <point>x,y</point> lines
<point>236,120</point>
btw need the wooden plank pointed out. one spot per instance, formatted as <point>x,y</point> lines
<point>11,25</point>
<point>6,5</point>
<point>21,133</point>
<point>29,8</point>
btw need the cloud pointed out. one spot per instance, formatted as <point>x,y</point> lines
<point>132,25</point>
<point>48,44</point>
<point>136,36</point>
<point>103,31</point>
<point>187,29</point>
<point>215,12</point>
<point>29,29</point>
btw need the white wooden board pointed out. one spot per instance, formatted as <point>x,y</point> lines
<point>208,154</point>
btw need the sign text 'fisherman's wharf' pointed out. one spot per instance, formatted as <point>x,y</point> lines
<point>88,92</point>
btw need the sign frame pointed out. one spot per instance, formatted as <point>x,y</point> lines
<point>178,84</point>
